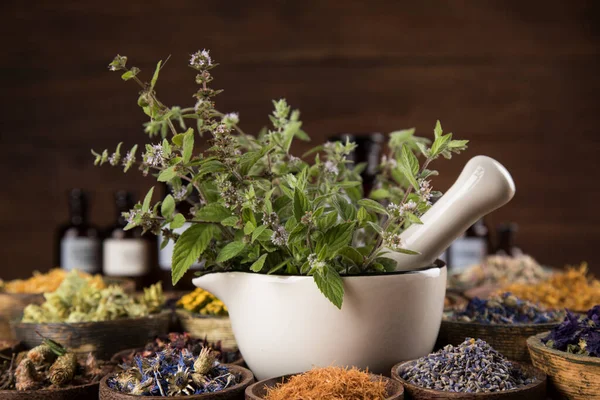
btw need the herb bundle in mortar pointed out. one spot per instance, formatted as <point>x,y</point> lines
<point>262,208</point>
<point>471,367</point>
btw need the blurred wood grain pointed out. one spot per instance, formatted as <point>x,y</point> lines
<point>518,79</point>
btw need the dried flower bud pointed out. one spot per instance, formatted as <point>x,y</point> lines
<point>205,361</point>
<point>26,377</point>
<point>63,369</point>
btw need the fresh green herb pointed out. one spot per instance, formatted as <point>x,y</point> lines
<point>259,207</point>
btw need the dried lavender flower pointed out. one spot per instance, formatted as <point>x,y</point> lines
<point>471,367</point>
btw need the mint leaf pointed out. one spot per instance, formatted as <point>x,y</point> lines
<point>410,160</point>
<point>155,76</point>
<point>212,212</point>
<point>337,237</point>
<point>230,221</point>
<point>188,145</point>
<point>351,254</point>
<point>330,284</point>
<point>257,266</point>
<point>178,221</point>
<point>188,248</point>
<point>373,206</point>
<point>439,145</point>
<point>230,250</point>
<point>167,207</point>
<point>301,204</point>
<point>167,174</point>
<point>379,194</point>
<point>147,200</point>
<point>437,131</point>
<point>257,232</point>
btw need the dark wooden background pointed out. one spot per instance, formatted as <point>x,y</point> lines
<point>518,78</point>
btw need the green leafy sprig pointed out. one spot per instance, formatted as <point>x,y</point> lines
<point>256,207</point>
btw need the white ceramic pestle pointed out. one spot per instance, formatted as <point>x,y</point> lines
<point>483,186</point>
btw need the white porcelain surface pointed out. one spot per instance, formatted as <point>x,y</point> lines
<point>483,186</point>
<point>284,325</point>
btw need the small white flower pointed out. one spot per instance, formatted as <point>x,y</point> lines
<point>331,167</point>
<point>198,105</point>
<point>392,241</point>
<point>129,159</point>
<point>314,262</point>
<point>155,157</point>
<point>425,191</point>
<point>230,119</point>
<point>180,194</point>
<point>280,236</point>
<point>201,59</point>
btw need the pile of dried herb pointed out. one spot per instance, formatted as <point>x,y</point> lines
<point>180,341</point>
<point>202,302</point>
<point>174,372</point>
<point>48,366</point>
<point>48,282</point>
<point>499,269</point>
<point>331,383</point>
<point>505,308</point>
<point>574,289</point>
<point>471,367</point>
<point>577,334</point>
<point>77,300</point>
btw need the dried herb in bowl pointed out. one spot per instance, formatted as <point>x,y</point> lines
<point>174,372</point>
<point>505,308</point>
<point>202,302</point>
<point>78,300</point>
<point>573,288</point>
<point>180,341</point>
<point>47,282</point>
<point>49,366</point>
<point>471,367</point>
<point>577,334</point>
<point>329,383</point>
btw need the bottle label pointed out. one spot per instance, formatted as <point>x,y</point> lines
<point>126,257</point>
<point>82,254</point>
<point>166,255</point>
<point>467,251</point>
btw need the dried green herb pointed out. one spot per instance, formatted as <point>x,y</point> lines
<point>76,300</point>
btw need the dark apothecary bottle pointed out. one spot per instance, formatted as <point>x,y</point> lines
<point>368,150</point>
<point>127,253</point>
<point>165,254</point>
<point>78,243</point>
<point>505,236</point>
<point>469,249</point>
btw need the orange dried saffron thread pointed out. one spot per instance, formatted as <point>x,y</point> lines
<point>574,289</point>
<point>331,383</point>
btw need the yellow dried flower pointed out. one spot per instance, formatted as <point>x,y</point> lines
<point>573,289</point>
<point>48,282</point>
<point>202,302</point>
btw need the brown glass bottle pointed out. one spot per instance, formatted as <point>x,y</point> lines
<point>469,249</point>
<point>127,253</point>
<point>165,255</point>
<point>78,243</point>
<point>505,234</point>
<point>368,150</point>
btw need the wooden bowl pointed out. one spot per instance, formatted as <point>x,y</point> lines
<point>231,393</point>
<point>104,338</point>
<point>88,391</point>
<point>214,329</point>
<point>509,340</point>
<point>13,304</point>
<point>258,391</point>
<point>571,376</point>
<point>125,354</point>
<point>533,391</point>
<point>9,347</point>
